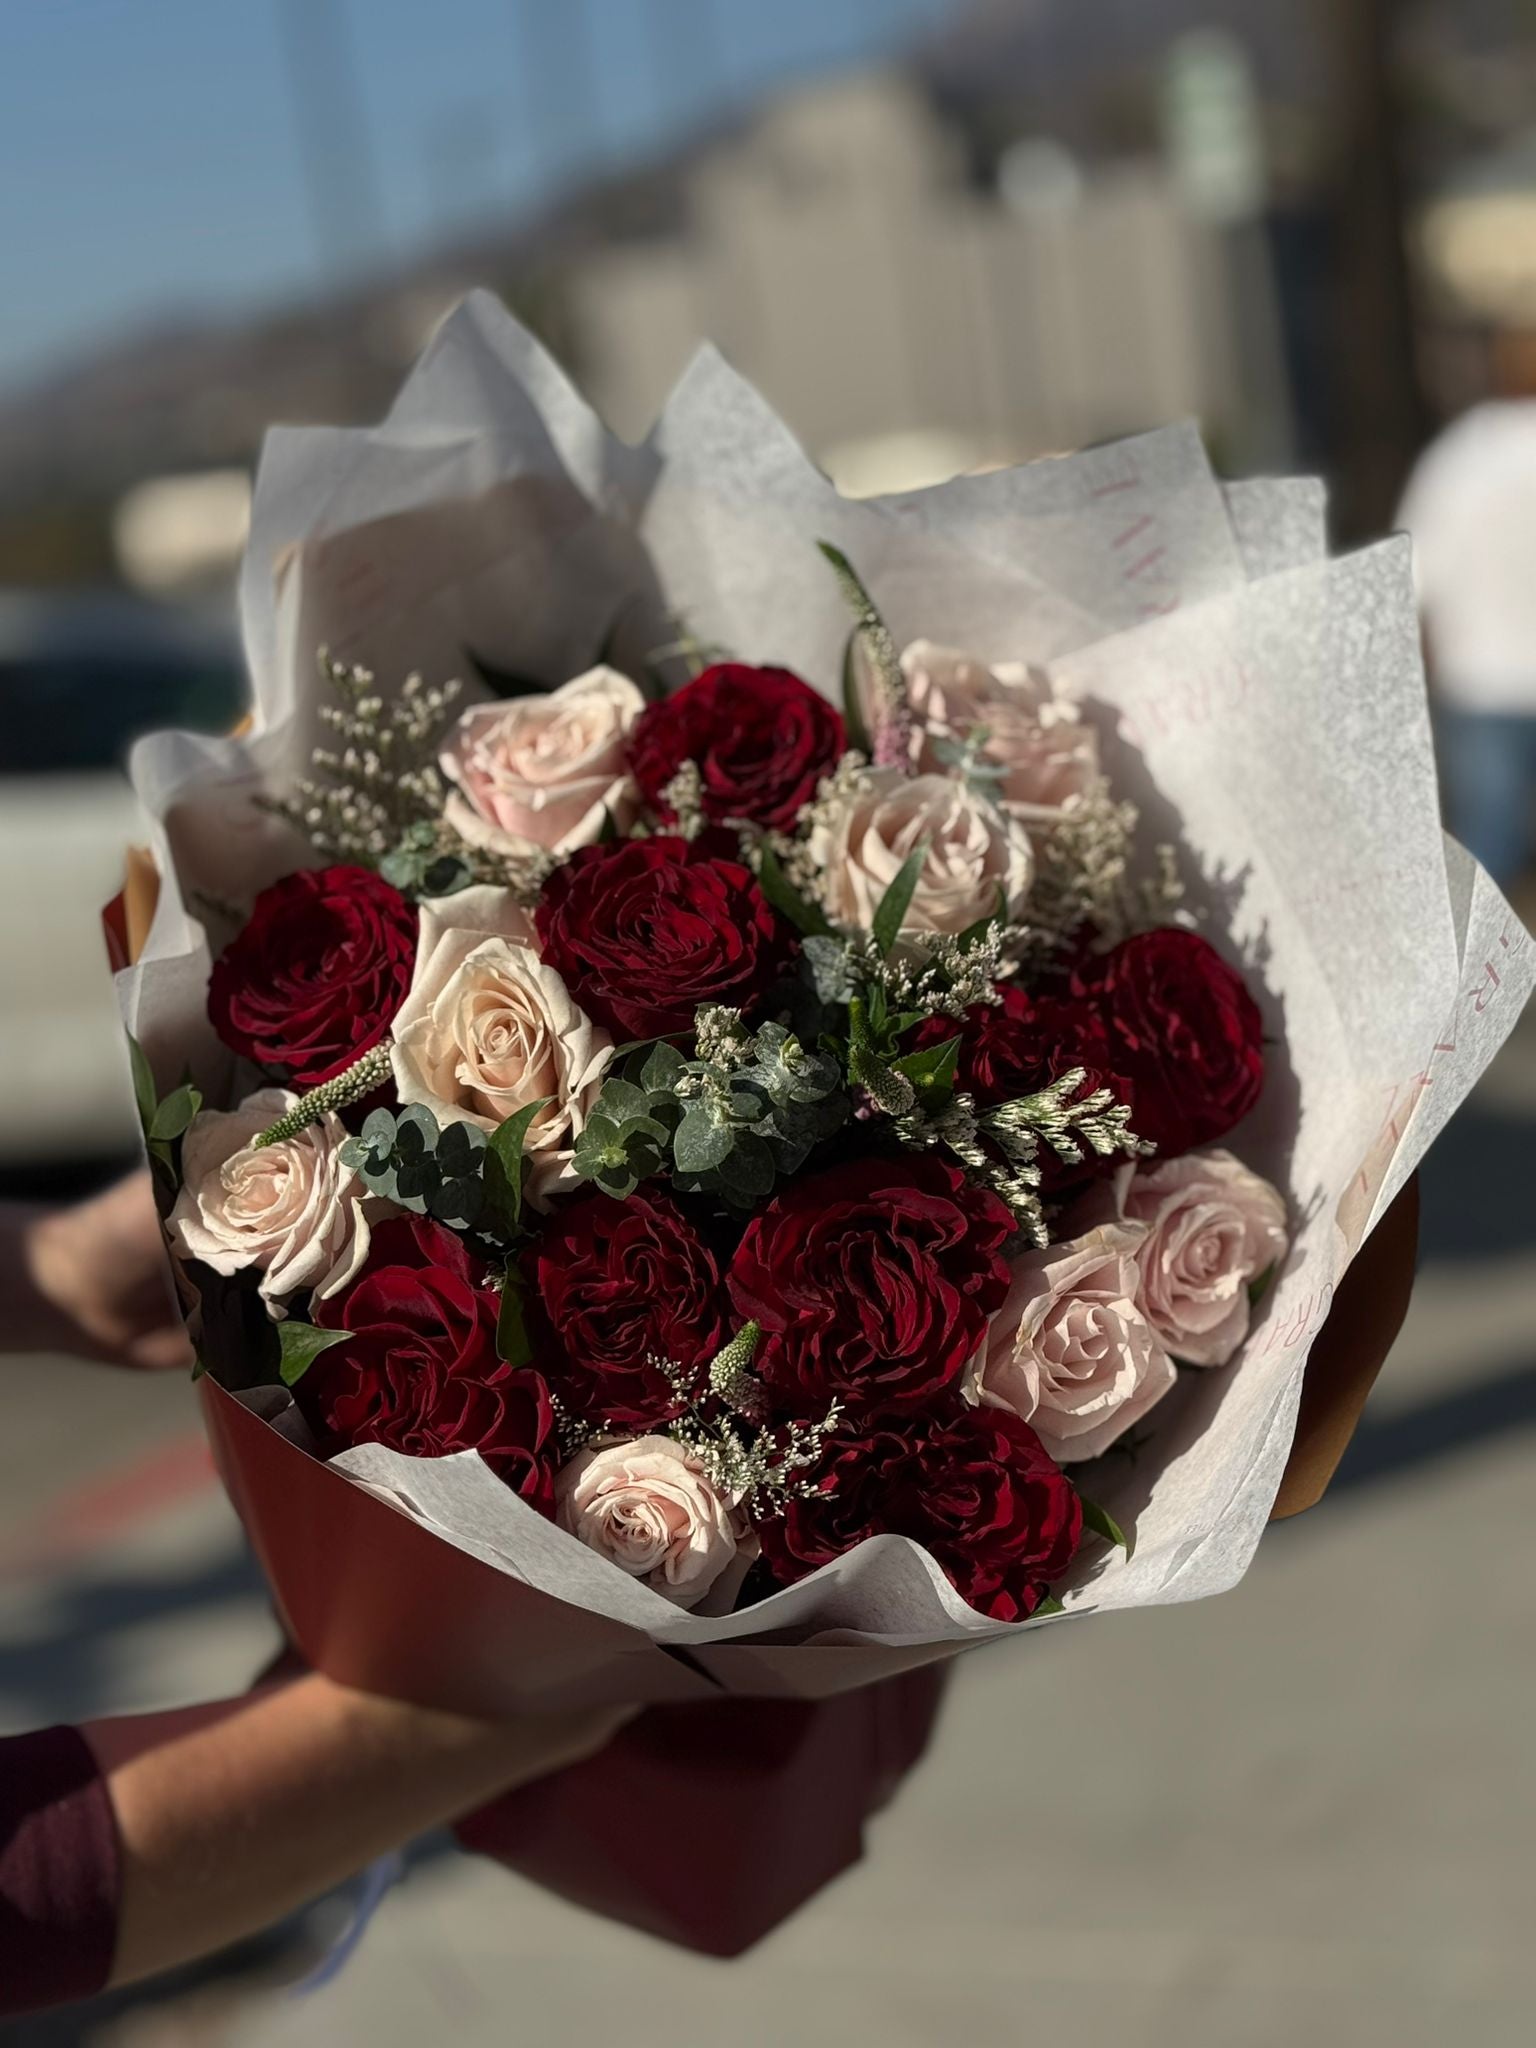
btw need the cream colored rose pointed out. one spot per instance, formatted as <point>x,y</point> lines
<point>648,1507</point>
<point>539,772</point>
<point>1212,1226</point>
<point>1045,750</point>
<point>1069,1351</point>
<point>487,1028</point>
<point>972,852</point>
<point>291,1209</point>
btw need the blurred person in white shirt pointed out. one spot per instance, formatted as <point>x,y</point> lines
<point>1470,508</point>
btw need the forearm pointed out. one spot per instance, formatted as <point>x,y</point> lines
<point>230,1817</point>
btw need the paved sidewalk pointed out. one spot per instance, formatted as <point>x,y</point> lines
<point>1303,1812</point>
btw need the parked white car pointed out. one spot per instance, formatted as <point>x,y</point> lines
<point>81,675</point>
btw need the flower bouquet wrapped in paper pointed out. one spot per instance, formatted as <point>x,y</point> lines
<point>751,1090</point>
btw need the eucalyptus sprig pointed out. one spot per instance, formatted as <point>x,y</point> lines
<point>743,1113</point>
<point>407,1158</point>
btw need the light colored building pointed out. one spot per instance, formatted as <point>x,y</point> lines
<point>839,257</point>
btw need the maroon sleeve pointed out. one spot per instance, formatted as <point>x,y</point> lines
<point>58,1872</point>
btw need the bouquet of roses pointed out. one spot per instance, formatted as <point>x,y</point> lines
<point>690,1175</point>
<point>759,1144</point>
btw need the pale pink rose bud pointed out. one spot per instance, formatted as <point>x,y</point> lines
<point>487,1028</point>
<point>538,773</point>
<point>290,1209</point>
<point>648,1507</point>
<point>1043,749</point>
<point>1212,1227</point>
<point>1069,1352</point>
<point>973,852</point>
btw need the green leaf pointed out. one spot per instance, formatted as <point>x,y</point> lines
<point>299,1345</point>
<point>933,1067</point>
<point>400,869</point>
<point>700,1143</point>
<point>1103,1523</point>
<point>175,1113</point>
<point>416,1129</point>
<point>145,1094</point>
<point>610,828</point>
<point>502,1168</point>
<point>445,876</point>
<point>662,1066</point>
<point>747,1170</point>
<point>897,900</point>
<point>1049,1605</point>
<point>795,909</point>
<point>459,1148</point>
<point>622,1100</point>
<point>512,1340</point>
<point>414,1180</point>
<point>456,1202</point>
<point>853,710</point>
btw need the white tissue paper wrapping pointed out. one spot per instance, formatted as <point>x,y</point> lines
<point>1264,705</point>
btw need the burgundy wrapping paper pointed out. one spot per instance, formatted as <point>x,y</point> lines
<point>746,1809</point>
<point>375,1601</point>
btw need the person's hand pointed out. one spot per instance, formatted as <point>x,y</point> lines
<point>93,1280</point>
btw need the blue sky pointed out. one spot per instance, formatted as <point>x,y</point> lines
<point>150,150</point>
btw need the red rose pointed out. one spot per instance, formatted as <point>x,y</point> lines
<point>620,1283</point>
<point>873,1282</point>
<point>315,979</point>
<point>421,1373</point>
<point>1184,1032</point>
<point>1021,1044</point>
<point>974,1486</point>
<point>643,930</point>
<point>762,739</point>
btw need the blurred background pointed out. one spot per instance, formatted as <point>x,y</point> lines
<point>940,235</point>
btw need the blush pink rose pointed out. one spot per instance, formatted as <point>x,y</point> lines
<point>973,852</point>
<point>292,1210</point>
<point>648,1507</point>
<point>1069,1352</point>
<point>1212,1227</point>
<point>1044,750</point>
<point>538,773</point>
<point>487,1028</point>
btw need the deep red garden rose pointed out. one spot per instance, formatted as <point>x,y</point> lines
<point>1016,1046</point>
<point>762,738</point>
<point>974,1486</point>
<point>643,930</point>
<point>420,1372</point>
<point>1184,1032</point>
<point>620,1283</point>
<point>315,979</point>
<point>873,1282</point>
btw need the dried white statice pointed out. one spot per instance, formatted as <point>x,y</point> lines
<point>379,778</point>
